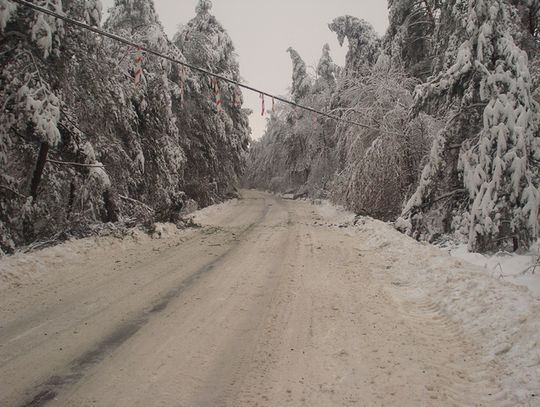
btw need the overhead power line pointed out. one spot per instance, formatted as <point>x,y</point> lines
<point>142,47</point>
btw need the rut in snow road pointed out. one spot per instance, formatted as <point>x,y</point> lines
<point>265,305</point>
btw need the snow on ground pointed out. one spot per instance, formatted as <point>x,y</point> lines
<point>202,216</point>
<point>486,296</point>
<point>521,269</point>
<point>334,213</point>
<point>22,268</point>
<point>489,297</point>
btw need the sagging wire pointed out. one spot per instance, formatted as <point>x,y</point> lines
<point>141,47</point>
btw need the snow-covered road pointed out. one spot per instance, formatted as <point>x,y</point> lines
<point>272,303</point>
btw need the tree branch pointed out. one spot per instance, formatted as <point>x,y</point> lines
<point>125,198</point>
<point>13,191</point>
<point>448,195</point>
<point>429,11</point>
<point>75,164</point>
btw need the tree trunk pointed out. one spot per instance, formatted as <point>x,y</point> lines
<point>38,172</point>
<point>71,199</point>
<point>111,208</point>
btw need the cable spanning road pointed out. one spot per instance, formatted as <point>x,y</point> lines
<point>265,305</point>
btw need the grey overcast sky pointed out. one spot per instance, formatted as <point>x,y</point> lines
<point>262,30</point>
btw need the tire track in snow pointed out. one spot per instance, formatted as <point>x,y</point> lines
<point>48,390</point>
<point>461,380</point>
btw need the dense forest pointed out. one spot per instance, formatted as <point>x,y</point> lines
<point>93,131</point>
<point>447,141</point>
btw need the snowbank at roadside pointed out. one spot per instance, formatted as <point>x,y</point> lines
<point>201,216</point>
<point>521,269</point>
<point>21,268</point>
<point>334,214</point>
<point>29,267</point>
<point>25,267</point>
<point>502,318</point>
<point>499,314</point>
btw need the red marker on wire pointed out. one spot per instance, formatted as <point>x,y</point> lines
<point>138,66</point>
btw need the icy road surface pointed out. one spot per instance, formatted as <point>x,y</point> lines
<point>271,303</point>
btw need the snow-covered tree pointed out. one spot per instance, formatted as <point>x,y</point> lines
<point>33,49</point>
<point>218,135</point>
<point>326,68</point>
<point>82,143</point>
<point>295,154</point>
<point>154,148</point>
<point>7,12</point>
<point>482,177</point>
<point>307,154</point>
<point>410,36</point>
<point>301,82</point>
<point>364,43</point>
<point>379,164</point>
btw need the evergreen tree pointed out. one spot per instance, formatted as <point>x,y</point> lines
<point>326,69</point>
<point>482,177</point>
<point>301,83</point>
<point>82,143</point>
<point>154,148</point>
<point>218,135</point>
<point>409,39</point>
<point>363,41</point>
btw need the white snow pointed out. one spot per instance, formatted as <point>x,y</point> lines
<point>29,268</point>
<point>164,230</point>
<point>514,268</point>
<point>334,214</point>
<point>202,216</point>
<point>490,298</point>
<point>44,109</point>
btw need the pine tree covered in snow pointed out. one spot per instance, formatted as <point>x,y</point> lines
<point>409,39</point>
<point>301,82</point>
<point>364,43</point>
<point>482,176</point>
<point>295,153</point>
<point>218,136</point>
<point>154,144</point>
<point>326,68</point>
<point>31,111</point>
